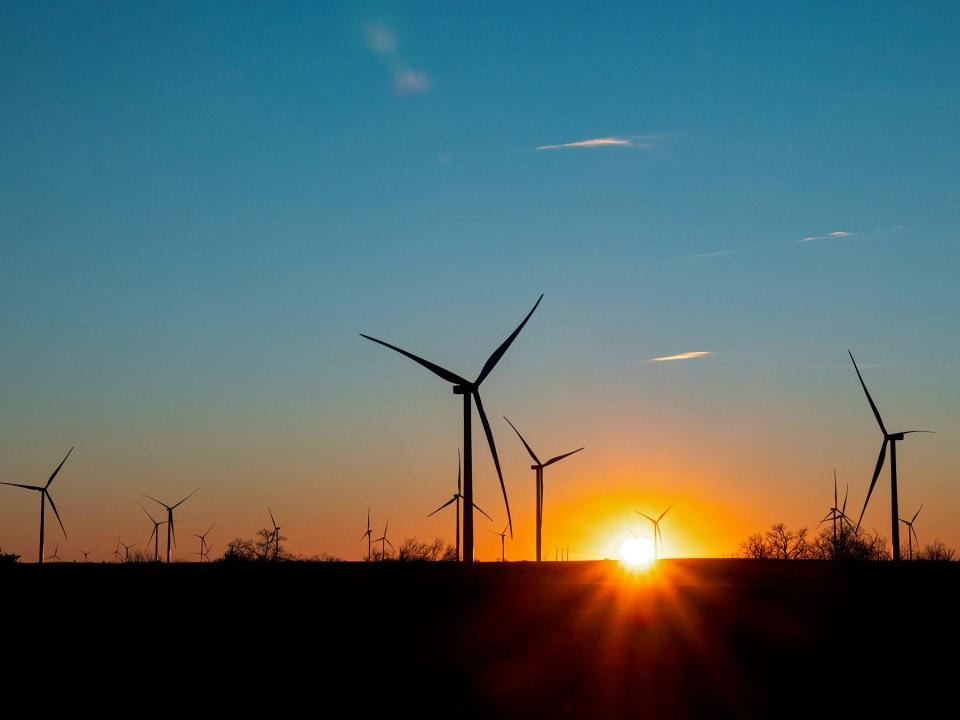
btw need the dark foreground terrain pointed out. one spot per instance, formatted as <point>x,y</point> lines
<point>693,638</point>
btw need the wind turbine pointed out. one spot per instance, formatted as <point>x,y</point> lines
<point>154,534</point>
<point>126,551</point>
<point>56,556</point>
<point>276,534</point>
<point>456,498</point>
<point>838,515</point>
<point>44,491</point>
<point>471,390</point>
<point>116,553</point>
<point>911,533</point>
<point>891,439</point>
<point>538,469</point>
<point>656,529</point>
<point>368,534</point>
<point>171,533</point>
<point>503,540</point>
<point>86,553</point>
<point>383,539</point>
<point>204,548</point>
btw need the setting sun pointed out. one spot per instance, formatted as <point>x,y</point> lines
<point>636,551</point>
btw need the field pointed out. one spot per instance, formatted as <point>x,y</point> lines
<point>724,638</point>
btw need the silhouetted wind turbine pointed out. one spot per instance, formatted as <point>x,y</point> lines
<point>368,534</point>
<point>171,533</point>
<point>154,534</point>
<point>383,539</point>
<point>656,529</point>
<point>892,439</point>
<point>538,469</point>
<point>126,551</point>
<point>838,515</point>
<point>462,386</point>
<point>204,549</point>
<point>503,540</point>
<point>56,556</point>
<point>456,498</point>
<point>44,491</point>
<point>911,533</point>
<point>86,553</point>
<point>116,553</point>
<point>276,535</point>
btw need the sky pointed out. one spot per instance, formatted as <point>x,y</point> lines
<point>202,205</point>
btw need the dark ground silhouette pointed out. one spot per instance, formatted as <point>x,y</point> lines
<point>724,638</point>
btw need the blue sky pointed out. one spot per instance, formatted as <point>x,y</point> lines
<point>200,207</point>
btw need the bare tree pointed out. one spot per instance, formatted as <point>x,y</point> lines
<point>413,549</point>
<point>937,551</point>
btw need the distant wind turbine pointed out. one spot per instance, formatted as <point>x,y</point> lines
<point>276,535</point>
<point>471,390</point>
<point>171,533</point>
<point>503,540</point>
<point>368,535</point>
<point>891,439</point>
<point>204,548</point>
<point>56,556</point>
<point>656,530</point>
<point>116,552</point>
<point>154,534</point>
<point>838,515</point>
<point>126,551</point>
<point>383,539</point>
<point>538,470</point>
<point>44,491</point>
<point>86,553</point>
<point>456,498</point>
<point>911,532</point>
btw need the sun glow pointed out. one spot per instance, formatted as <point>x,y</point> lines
<point>636,551</point>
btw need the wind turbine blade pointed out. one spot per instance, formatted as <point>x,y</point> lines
<point>185,499</point>
<point>145,510</point>
<point>835,487</point>
<point>664,513</point>
<point>525,444</point>
<point>459,463</point>
<point>493,450</point>
<point>915,515</point>
<point>365,534</point>
<point>845,493</point>
<point>499,352</point>
<point>208,530</point>
<point>173,531</point>
<point>451,500</point>
<point>504,529</point>
<point>876,474</point>
<point>28,487</point>
<point>156,501</point>
<point>558,458</point>
<point>915,536</point>
<point>646,516</point>
<point>432,367</point>
<point>58,468</point>
<point>271,518</point>
<point>869,399</point>
<point>389,543</point>
<point>54,506</point>
<point>481,510</point>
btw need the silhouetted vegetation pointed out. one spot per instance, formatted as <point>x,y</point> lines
<point>263,548</point>
<point>781,543</point>
<point>412,549</point>
<point>8,558</point>
<point>937,551</point>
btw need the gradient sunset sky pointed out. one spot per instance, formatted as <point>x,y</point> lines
<point>202,205</point>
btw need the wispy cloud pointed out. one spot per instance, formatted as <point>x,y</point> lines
<point>634,141</point>
<point>829,236</point>
<point>383,41</point>
<point>681,356</point>
<point>718,253</point>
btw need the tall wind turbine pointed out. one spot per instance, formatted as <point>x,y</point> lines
<point>154,534</point>
<point>456,498</point>
<point>383,539</point>
<point>126,551</point>
<point>891,439</point>
<point>204,548</point>
<point>44,491</point>
<point>503,541</point>
<point>656,529</point>
<point>171,534</point>
<point>538,469</point>
<point>911,533</point>
<point>471,390</point>
<point>368,535</point>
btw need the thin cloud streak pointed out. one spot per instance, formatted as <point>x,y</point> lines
<point>596,142</point>
<point>830,236</point>
<point>681,356</point>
